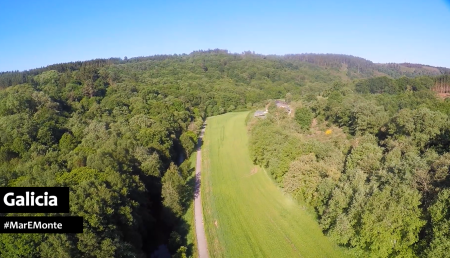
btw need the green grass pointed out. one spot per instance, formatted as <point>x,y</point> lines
<point>247,215</point>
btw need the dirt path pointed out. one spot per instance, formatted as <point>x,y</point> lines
<point>198,210</point>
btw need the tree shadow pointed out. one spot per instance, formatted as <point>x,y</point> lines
<point>197,178</point>
<point>193,184</point>
<point>191,191</point>
<point>183,229</point>
<point>200,139</point>
<point>177,230</point>
<point>197,185</point>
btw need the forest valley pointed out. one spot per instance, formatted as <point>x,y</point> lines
<point>116,132</point>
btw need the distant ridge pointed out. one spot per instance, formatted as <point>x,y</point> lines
<point>353,67</point>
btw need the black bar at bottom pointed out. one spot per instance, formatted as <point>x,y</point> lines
<point>41,224</point>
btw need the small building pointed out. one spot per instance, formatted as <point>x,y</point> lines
<point>282,104</point>
<point>260,113</point>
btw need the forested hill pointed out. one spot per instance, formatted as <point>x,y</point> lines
<point>345,65</point>
<point>356,67</point>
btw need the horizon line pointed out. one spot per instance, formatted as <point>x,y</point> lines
<point>210,50</point>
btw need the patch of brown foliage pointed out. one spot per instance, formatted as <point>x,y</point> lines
<point>443,95</point>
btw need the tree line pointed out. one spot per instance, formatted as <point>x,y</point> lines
<point>350,66</point>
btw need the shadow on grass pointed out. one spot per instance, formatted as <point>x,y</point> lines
<point>191,191</point>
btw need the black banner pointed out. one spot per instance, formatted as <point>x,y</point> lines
<point>41,224</point>
<point>34,200</point>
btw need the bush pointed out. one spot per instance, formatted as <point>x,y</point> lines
<point>304,117</point>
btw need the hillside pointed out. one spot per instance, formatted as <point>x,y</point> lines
<point>343,66</point>
<point>357,67</point>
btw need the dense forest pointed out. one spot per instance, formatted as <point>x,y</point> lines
<point>117,131</point>
<point>371,159</point>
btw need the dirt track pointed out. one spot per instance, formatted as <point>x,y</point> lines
<point>198,210</point>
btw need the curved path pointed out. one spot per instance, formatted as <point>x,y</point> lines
<point>198,210</point>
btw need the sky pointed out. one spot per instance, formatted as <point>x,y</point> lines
<point>39,33</point>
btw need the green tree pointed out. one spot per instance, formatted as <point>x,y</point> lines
<point>188,141</point>
<point>391,222</point>
<point>304,117</point>
<point>440,221</point>
<point>172,192</point>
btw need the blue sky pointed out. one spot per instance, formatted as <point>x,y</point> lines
<point>39,33</point>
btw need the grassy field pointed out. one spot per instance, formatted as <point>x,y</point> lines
<point>246,214</point>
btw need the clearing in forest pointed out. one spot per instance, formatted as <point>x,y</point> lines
<point>249,216</point>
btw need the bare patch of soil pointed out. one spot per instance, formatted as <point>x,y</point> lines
<point>254,171</point>
<point>314,123</point>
